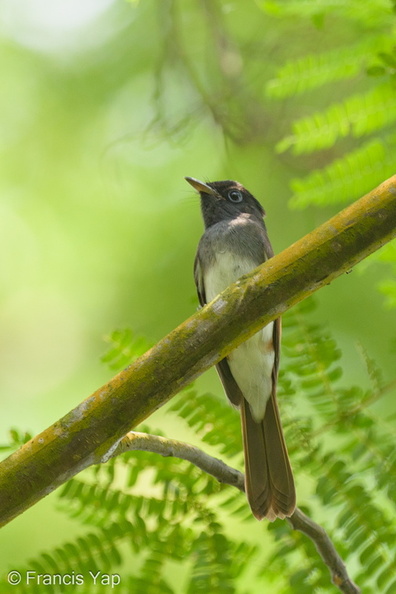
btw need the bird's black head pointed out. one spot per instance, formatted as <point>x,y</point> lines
<point>225,200</point>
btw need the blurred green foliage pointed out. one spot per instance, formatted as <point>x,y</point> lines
<point>105,106</point>
<point>141,512</point>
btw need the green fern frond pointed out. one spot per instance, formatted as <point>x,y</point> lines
<point>158,534</point>
<point>151,579</point>
<point>16,440</point>
<point>315,70</point>
<point>124,347</point>
<point>142,583</point>
<point>360,520</point>
<point>92,552</point>
<point>173,481</point>
<point>386,254</point>
<point>374,372</point>
<point>294,556</point>
<point>179,510</point>
<point>347,178</point>
<point>356,116</point>
<point>311,366</point>
<point>213,419</point>
<point>310,361</point>
<point>213,552</point>
<point>374,13</point>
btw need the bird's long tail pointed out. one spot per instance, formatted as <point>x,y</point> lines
<point>268,476</point>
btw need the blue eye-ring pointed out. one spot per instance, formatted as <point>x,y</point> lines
<point>235,196</point>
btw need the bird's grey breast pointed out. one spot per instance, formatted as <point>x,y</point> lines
<point>229,250</point>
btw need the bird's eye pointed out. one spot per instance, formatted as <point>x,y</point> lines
<point>235,196</point>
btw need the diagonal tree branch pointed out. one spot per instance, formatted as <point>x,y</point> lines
<point>92,430</point>
<point>326,549</point>
<point>230,476</point>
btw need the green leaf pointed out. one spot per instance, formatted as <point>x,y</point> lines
<point>357,116</point>
<point>318,69</point>
<point>348,177</point>
<point>124,348</point>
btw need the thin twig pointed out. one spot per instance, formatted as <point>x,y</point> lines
<point>179,449</point>
<point>230,476</point>
<point>339,575</point>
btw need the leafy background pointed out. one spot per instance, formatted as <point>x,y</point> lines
<point>105,106</point>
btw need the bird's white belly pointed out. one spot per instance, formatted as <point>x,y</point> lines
<point>252,362</point>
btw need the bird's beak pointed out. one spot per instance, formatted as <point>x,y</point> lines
<point>201,186</point>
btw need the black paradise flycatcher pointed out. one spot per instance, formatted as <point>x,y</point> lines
<point>234,243</point>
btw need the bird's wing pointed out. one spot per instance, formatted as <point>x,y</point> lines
<point>276,337</point>
<point>230,386</point>
<point>199,281</point>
